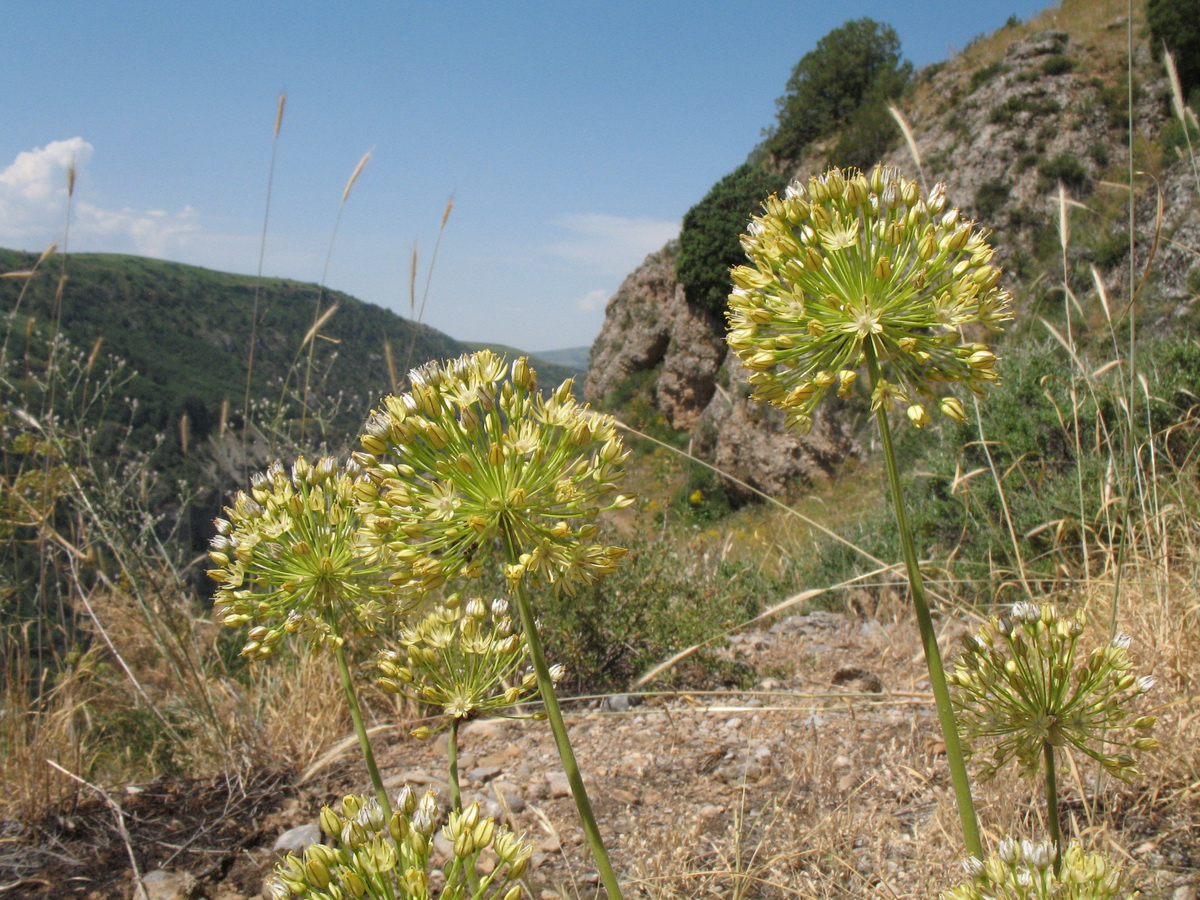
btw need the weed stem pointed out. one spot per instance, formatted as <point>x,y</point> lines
<point>933,656</point>
<point>1052,805</point>
<point>361,730</point>
<point>554,715</point>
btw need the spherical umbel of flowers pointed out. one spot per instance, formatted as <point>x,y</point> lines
<point>1025,871</point>
<point>285,559</point>
<point>1019,686</point>
<point>472,458</point>
<point>856,267</point>
<point>369,854</point>
<point>463,657</point>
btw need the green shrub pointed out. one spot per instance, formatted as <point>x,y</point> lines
<point>1066,168</point>
<point>1026,161</point>
<point>990,198</point>
<point>660,601</point>
<point>1058,64</point>
<point>1030,432</point>
<point>1176,137</point>
<point>1176,24</point>
<point>869,135</point>
<point>703,497</point>
<point>709,241</point>
<point>982,76</point>
<point>853,65</point>
<point>1035,103</point>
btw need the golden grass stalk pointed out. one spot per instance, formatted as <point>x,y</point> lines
<point>255,314</point>
<point>420,314</point>
<point>362,164</point>
<point>911,140</point>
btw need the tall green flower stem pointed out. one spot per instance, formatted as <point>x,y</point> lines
<point>452,765</point>
<point>554,716</point>
<point>933,656</point>
<point>1052,805</point>
<point>361,730</point>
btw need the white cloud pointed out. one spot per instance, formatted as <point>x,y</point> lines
<point>33,208</point>
<point>611,245</point>
<point>593,301</point>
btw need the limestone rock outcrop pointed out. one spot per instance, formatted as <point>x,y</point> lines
<point>1002,136</point>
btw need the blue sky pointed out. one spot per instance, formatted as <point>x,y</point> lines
<point>572,135</point>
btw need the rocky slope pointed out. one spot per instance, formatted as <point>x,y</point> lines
<point>1002,124</point>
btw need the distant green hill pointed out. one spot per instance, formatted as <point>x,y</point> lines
<point>186,331</point>
<point>574,358</point>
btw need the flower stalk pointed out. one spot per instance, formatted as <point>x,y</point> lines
<point>933,657</point>
<point>558,727</point>
<point>360,729</point>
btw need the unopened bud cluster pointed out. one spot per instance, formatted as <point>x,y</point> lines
<point>375,856</point>
<point>1025,871</point>
<point>1020,685</point>
<point>474,455</point>
<point>285,559</point>
<point>853,265</point>
<point>464,657</point>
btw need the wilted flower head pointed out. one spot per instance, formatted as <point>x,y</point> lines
<point>1024,871</point>
<point>854,267</point>
<point>285,559</point>
<point>463,657</point>
<point>1018,687</point>
<point>471,457</point>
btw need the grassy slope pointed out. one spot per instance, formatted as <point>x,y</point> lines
<point>186,330</point>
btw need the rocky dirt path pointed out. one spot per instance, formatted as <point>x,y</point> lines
<point>825,780</point>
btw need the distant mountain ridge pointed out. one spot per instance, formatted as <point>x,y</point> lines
<point>186,332</point>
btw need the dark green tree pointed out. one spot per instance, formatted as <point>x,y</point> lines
<point>1176,24</point>
<point>709,244</point>
<point>852,66</point>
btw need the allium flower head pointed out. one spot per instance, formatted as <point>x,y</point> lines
<point>371,855</point>
<point>857,266</point>
<point>472,456</point>
<point>463,657</point>
<point>1019,686</point>
<point>1024,871</point>
<point>286,561</point>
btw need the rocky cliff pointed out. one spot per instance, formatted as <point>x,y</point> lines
<point>1003,125</point>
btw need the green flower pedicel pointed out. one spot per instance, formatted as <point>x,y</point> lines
<point>465,661</point>
<point>463,657</point>
<point>1020,687</point>
<point>855,268</point>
